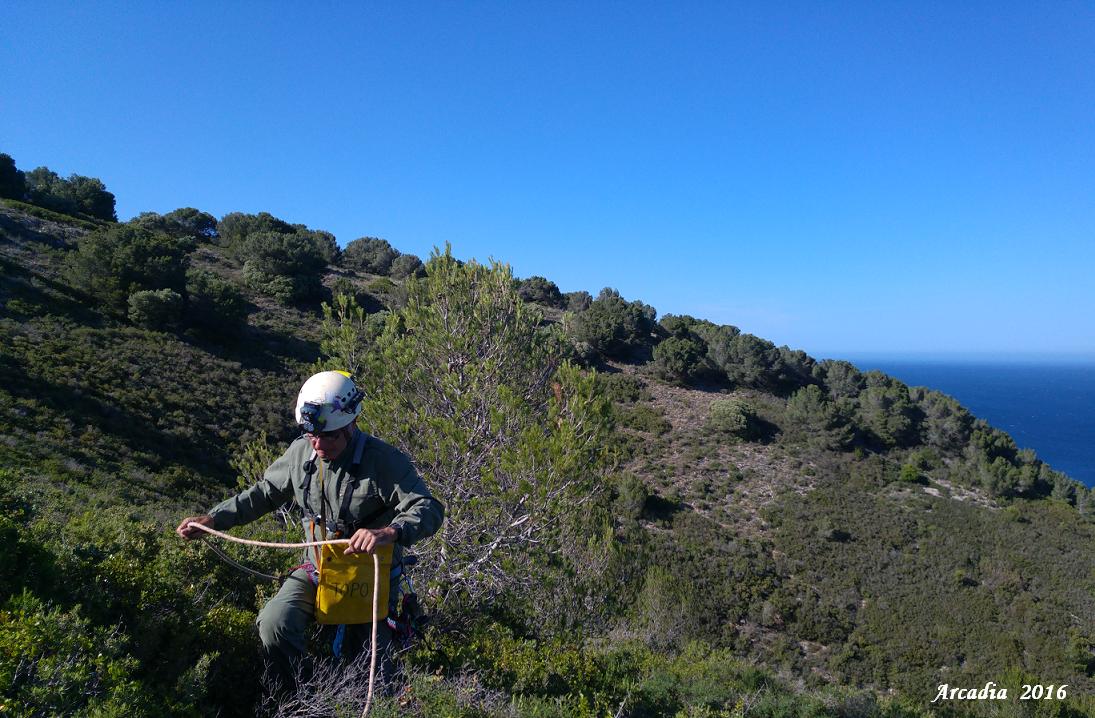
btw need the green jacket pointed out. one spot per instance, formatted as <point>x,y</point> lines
<point>389,491</point>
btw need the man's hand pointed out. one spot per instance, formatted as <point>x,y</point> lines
<point>189,532</point>
<point>369,540</point>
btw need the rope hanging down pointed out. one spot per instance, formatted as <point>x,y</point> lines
<point>307,544</point>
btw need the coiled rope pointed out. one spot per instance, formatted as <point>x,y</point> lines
<point>307,544</point>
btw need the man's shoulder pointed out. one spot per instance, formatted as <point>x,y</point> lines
<point>385,455</point>
<point>299,447</point>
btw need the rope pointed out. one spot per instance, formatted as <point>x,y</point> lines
<point>372,661</point>
<point>232,562</point>
<point>306,544</point>
<point>266,544</point>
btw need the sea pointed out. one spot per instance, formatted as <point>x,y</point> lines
<point>1048,406</point>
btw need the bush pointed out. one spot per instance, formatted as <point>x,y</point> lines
<point>821,422</point>
<point>155,308</point>
<point>841,378</point>
<point>680,359</point>
<point>662,614</point>
<point>213,304</point>
<point>623,388</point>
<point>578,301</point>
<point>54,662</point>
<point>182,222</point>
<point>615,327</point>
<point>947,424</point>
<point>541,291</point>
<point>369,254</point>
<point>236,230</point>
<point>887,412</point>
<point>13,183</point>
<point>286,290</point>
<point>235,227</point>
<point>286,266</point>
<point>407,265</point>
<point>75,195</point>
<point>733,417</point>
<point>643,417</point>
<point>112,264</point>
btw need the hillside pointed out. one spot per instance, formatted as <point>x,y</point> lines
<point>775,536</point>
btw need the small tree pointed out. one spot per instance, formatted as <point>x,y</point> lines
<point>886,411</point>
<point>841,378</point>
<point>511,438</point>
<point>46,188</point>
<point>680,359</point>
<point>812,416</point>
<point>407,265</point>
<point>578,301</point>
<point>214,304</point>
<point>77,194</point>
<point>92,197</point>
<point>733,417</point>
<point>613,326</point>
<point>541,291</point>
<point>234,228</point>
<point>13,183</point>
<point>183,222</point>
<point>113,263</point>
<point>193,223</point>
<point>369,254</point>
<point>284,265</point>
<point>346,334</point>
<point>155,309</point>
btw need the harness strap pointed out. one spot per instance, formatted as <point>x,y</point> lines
<point>337,524</point>
<point>342,524</point>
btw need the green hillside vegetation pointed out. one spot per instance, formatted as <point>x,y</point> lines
<point>645,516</point>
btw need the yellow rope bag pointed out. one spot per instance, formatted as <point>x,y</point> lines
<point>345,591</point>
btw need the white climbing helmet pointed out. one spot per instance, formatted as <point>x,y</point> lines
<point>329,400</point>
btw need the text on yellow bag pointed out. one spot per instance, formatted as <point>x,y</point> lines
<point>345,591</point>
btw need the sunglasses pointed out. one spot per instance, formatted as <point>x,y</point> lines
<point>323,434</point>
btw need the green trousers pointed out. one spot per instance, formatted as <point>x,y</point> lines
<point>284,623</point>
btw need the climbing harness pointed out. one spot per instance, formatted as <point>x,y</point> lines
<point>310,544</point>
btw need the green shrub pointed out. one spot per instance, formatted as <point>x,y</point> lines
<point>213,304</point>
<point>623,388</point>
<point>407,265</point>
<point>155,308</point>
<point>369,254</point>
<point>887,412</point>
<point>910,474</point>
<point>13,182</point>
<point>732,417</point>
<point>54,662</point>
<point>680,359</point>
<point>113,263</point>
<point>182,222</point>
<point>644,417</point>
<point>75,195</point>
<point>615,327</point>
<point>285,266</point>
<point>578,301</point>
<point>541,291</point>
<point>842,379</point>
<point>813,418</point>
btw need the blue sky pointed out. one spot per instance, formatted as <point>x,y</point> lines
<point>902,178</point>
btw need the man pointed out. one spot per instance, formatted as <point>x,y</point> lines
<point>348,484</point>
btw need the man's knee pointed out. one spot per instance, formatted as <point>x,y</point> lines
<point>274,625</point>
